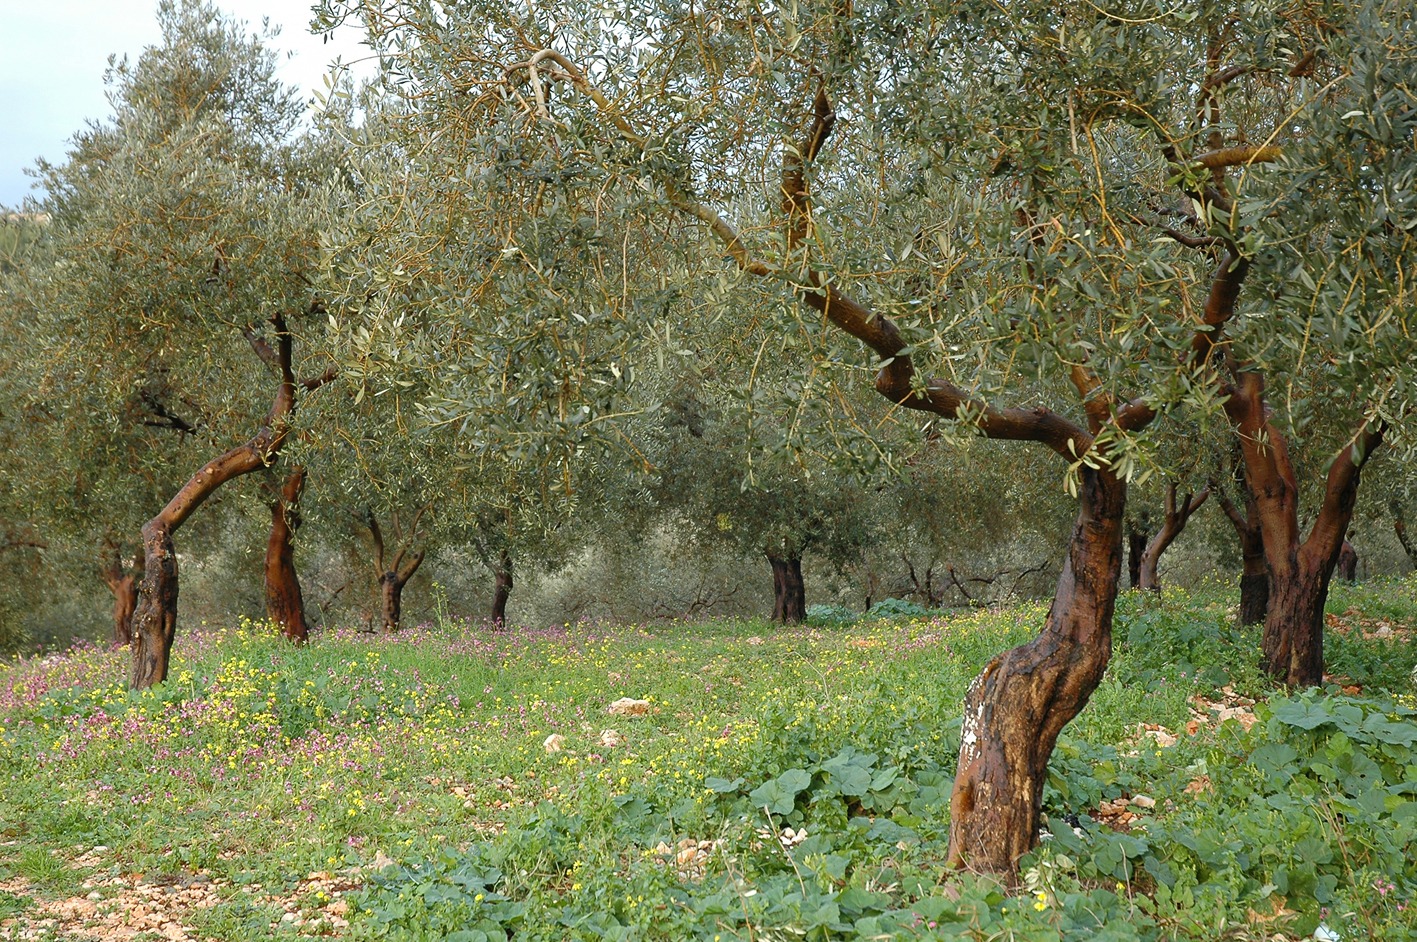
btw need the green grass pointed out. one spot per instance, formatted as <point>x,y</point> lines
<point>297,769</point>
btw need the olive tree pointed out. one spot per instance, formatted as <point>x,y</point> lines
<point>186,239</point>
<point>1047,224</point>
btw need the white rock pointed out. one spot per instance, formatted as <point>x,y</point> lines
<point>1324,934</point>
<point>609,738</point>
<point>554,743</point>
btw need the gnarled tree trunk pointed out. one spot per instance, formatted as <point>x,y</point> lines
<point>1173,521</point>
<point>155,619</point>
<point>502,588</point>
<point>1300,569</point>
<point>1016,708</point>
<point>123,583</point>
<point>285,603</point>
<point>789,604</point>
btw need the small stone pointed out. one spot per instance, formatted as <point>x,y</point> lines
<point>1144,801</point>
<point>95,896</point>
<point>287,917</point>
<point>554,743</point>
<point>1163,739</point>
<point>628,706</point>
<point>609,738</point>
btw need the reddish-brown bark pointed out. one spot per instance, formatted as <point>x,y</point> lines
<point>1173,521</point>
<point>1016,708</point>
<point>1348,563</point>
<point>1300,568</point>
<point>788,590</point>
<point>285,603</point>
<point>122,581</point>
<point>155,619</point>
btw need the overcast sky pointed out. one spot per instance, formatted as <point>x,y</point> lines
<point>55,51</point>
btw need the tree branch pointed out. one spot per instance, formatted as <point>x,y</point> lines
<point>372,523</point>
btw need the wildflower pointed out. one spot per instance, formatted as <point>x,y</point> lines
<point>1040,901</point>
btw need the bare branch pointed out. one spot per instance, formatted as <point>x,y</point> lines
<point>1193,242</point>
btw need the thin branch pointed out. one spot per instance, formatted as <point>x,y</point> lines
<point>1192,242</point>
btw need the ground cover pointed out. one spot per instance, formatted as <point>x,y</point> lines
<point>454,782</point>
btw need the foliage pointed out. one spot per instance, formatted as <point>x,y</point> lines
<point>427,748</point>
<point>176,231</point>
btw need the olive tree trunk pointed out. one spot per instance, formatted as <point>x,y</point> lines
<point>789,593</point>
<point>1018,705</point>
<point>1136,546</point>
<point>285,603</point>
<point>1173,521</point>
<point>501,588</point>
<point>155,618</point>
<point>1300,568</point>
<point>392,577</point>
<point>1254,572</point>
<point>1399,526</point>
<point>1348,562</point>
<point>122,581</point>
<point>1015,709</point>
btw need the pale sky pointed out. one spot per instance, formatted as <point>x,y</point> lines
<point>53,54</point>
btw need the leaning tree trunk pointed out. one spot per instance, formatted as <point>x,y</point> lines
<point>1016,708</point>
<point>285,604</point>
<point>155,619</point>
<point>123,583</point>
<point>789,604</point>
<point>502,588</point>
<point>1173,521</point>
